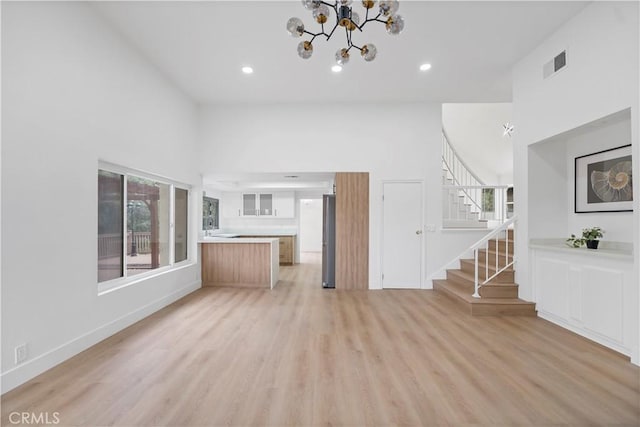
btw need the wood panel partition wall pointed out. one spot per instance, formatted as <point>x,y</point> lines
<point>352,230</point>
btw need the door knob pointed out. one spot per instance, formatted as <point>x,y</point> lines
<point>418,231</point>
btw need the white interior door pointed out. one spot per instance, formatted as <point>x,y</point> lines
<point>402,235</point>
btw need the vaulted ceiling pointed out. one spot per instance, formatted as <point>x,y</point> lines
<point>472,46</point>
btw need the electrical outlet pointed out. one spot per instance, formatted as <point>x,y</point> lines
<point>21,353</point>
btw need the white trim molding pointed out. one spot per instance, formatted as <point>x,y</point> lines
<point>34,367</point>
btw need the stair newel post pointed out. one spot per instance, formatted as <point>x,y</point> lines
<point>476,294</point>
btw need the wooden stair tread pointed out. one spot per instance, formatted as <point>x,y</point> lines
<point>462,293</point>
<point>492,252</point>
<point>482,265</point>
<point>472,279</point>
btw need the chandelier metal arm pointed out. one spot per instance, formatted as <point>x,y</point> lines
<point>376,19</point>
<point>331,33</point>
<point>332,5</point>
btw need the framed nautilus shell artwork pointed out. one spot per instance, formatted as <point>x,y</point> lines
<point>603,181</point>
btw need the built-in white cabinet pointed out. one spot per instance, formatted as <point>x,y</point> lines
<point>268,205</point>
<point>589,292</point>
<point>284,204</point>
<point>231,205</point>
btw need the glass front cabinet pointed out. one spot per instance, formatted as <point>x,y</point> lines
<point>269,205</point>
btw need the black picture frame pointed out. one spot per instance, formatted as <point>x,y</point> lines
<point>594,190</point>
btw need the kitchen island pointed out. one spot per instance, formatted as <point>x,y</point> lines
<point>246,262</point>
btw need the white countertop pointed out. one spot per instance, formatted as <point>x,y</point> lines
<point>606,249</point>
<point>237,240</point>
<point>254,232</point>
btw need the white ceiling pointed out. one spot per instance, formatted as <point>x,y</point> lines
<point>472,45</point>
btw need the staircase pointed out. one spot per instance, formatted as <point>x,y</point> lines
<point>462,191</point>
<point>459,206</point>
<point>499,296</point>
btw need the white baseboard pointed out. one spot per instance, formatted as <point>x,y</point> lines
<point>604,341</point>
<point>43,362</point>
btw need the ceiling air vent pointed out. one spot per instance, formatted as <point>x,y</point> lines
<point>555,65</point>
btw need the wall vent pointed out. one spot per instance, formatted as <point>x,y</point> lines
<point>555,65</point>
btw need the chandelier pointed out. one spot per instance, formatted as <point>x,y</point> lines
<point>350,21</point>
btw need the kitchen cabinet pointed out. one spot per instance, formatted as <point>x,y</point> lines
<point>287,247</point>
<point>287,250</point>
<point>270,205</point>
<point>284,204</point>
<point>240,262</point>
<point>231,205</point>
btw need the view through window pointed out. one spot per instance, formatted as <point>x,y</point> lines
<point>135,234</point>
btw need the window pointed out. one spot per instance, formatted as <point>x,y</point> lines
<point>147,225</point>
<point>488,203</point>
<point>180,220</point>
<point>110,220</point>
<point>210,209</point>
<point>142,224</point>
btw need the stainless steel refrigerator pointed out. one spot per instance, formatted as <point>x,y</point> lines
<point>329,241</point>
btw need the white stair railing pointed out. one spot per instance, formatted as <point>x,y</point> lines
<point>492,203</point>
<point>459,173</point>
<point>498,255</point>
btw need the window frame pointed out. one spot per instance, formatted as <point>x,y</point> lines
<point>125,280</point>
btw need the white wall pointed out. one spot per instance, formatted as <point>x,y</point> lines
<point>601,78</point>
<point>551,206</point>
<point>310,225</point>
<point>74,92</point>
<point>549,202</point>
<point>476,132</point>
<point>390,141</point>
<point>617,225</point>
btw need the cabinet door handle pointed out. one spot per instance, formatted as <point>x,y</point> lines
<point>275,212</point>
<point>238,212</point>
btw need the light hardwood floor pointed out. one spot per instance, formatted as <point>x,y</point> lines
<point>301,355</point>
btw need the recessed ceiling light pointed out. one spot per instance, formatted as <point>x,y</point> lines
<point>336,68</point>
<point>425,67</point>
<point>247,70</point>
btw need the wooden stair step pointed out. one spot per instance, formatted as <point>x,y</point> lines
<point>469,276</point>
<point>484,306</point>
<point>470,265</point>
<point>506,289</point>
<point>501,244</point>
<point>502,260</point>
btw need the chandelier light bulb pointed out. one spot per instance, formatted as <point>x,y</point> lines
<point>368,4</point>
<point>345,2</point>
<point>311,4</point>
<point>336,68</point>
<point>395,24</point>
<point>295,27</point>
<point>354,22</point>
<point>305,49</point>
<point>321,14</point>
<point>389,7</point>
<point>425,67</point>
<point>247,70</point>
<point>342,56</point>
<point>369,52</point>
